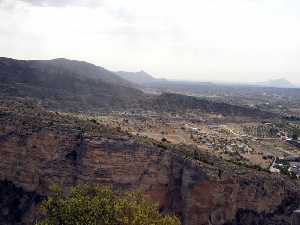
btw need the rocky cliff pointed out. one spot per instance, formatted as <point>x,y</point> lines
<point>40,148</point>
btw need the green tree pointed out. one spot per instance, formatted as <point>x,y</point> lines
<point>86,205</point>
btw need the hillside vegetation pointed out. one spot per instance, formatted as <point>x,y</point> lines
<point>90,205</point>
<point>67,85</point>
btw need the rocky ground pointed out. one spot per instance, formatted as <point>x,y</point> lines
<point>40,148</point>
<point>253,143</point>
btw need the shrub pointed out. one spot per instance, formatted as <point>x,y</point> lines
<point>86,205</point>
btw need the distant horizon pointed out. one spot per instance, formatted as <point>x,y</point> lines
<point>229,41</point>
<point>179,79</point>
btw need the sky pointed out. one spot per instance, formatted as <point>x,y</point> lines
<point>205,40</point>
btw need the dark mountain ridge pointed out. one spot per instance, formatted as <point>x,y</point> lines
<point>68,85</point>
<point>62,67</point>
<point>176,102</point>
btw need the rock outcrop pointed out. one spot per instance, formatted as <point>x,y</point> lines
<point>39,149</point>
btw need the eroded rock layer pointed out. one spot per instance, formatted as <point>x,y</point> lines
<point>39,149</point>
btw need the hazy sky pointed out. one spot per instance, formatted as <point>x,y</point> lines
<point>227,40</point>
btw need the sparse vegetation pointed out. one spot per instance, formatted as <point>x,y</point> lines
<point>101,206</point>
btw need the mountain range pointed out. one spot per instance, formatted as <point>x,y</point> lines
<point>144,78</point>
<point>68,85</point>
<point>40,146</point>
<point>140,77</point>
<point>278,83</point>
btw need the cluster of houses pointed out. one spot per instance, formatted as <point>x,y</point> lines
<point>293,142</point>
<point>289,165</point>
<point>215,142</point>
<point>238,147</point>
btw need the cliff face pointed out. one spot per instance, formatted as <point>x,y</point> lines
<point>40,149</point>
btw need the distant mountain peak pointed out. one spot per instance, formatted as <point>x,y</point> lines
<point>61,59</point>
<point>278,82</point>
<point>139,77</point>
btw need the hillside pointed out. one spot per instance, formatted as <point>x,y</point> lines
<point>66,85</point>
<point>39,148</point>
<point>278,96</point>
<point>140,77</point>
<point>171,102</point>
<point>147,81</point>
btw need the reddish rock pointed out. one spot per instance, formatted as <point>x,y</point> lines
<point>35,155</point>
